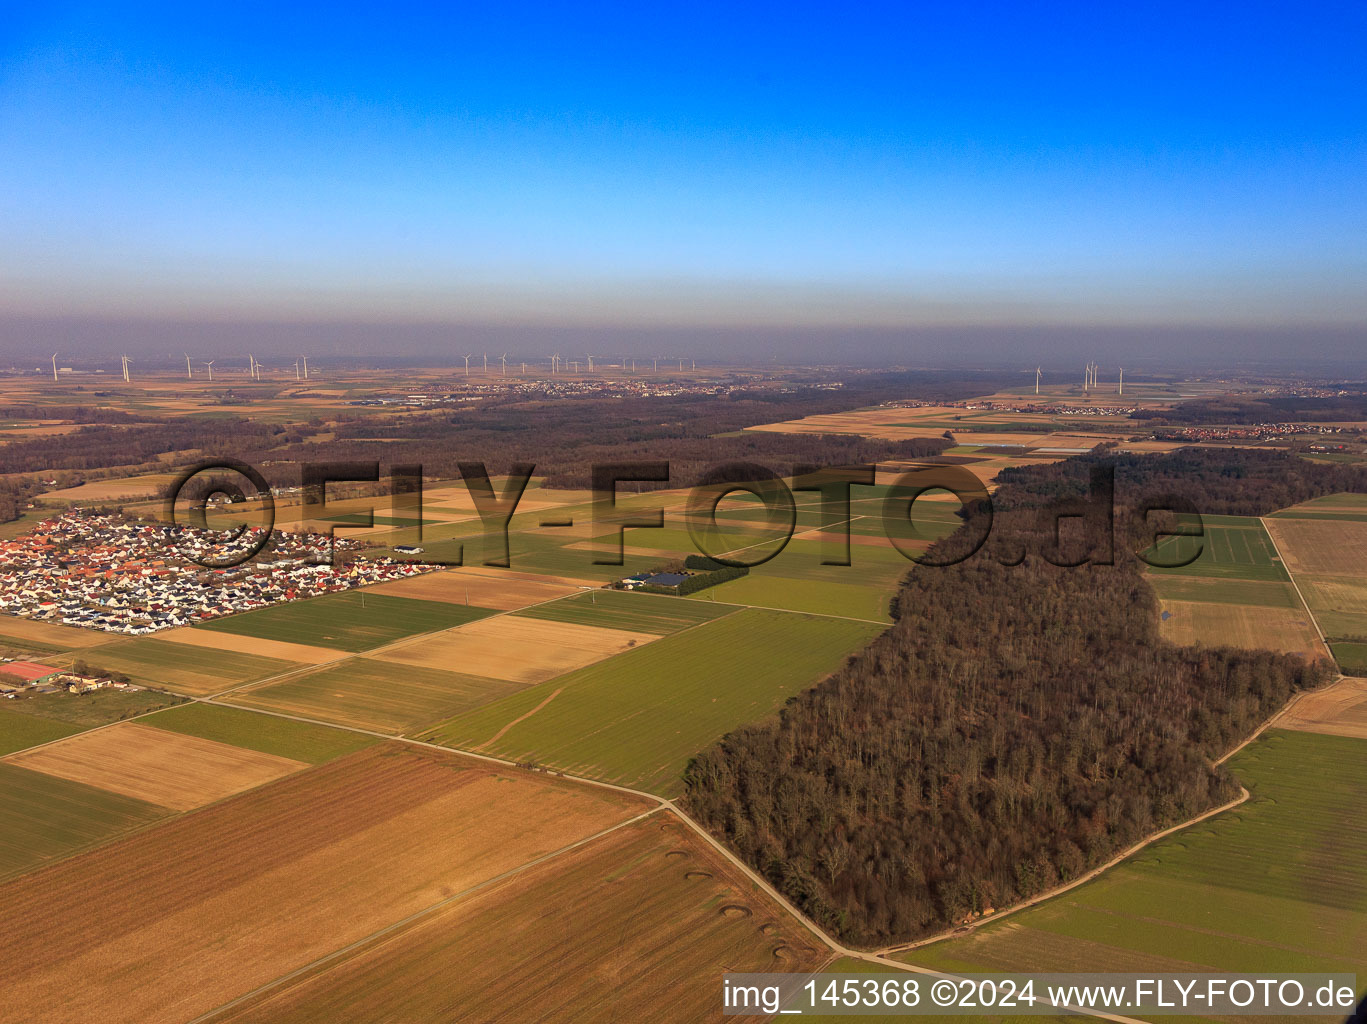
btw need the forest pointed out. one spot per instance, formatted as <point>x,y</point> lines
<point>1017,725</point>
<point>1215,481</point>
<point>1260,409</point>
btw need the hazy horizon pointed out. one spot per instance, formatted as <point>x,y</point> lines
<point>29,343</point>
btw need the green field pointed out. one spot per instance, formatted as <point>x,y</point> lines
<point>618,609</point>
<point>197,670</point>
<point>637,718</point>
<point>1264,594</point>
<point>1339,604</point>
<point>100,707</point>
<point>544,553</point>
<point>353,621</point>
<point>1278,884</point>
<point>818,597</point>
<point>1333,502</point>
<point>1242,552</point>
<point>43,817</point>
<point>1352,658</point>
<point>370,694</point>
<point>19,731</point>
<point>269,734</point>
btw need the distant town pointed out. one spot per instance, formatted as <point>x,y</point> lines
<point>103,571</point>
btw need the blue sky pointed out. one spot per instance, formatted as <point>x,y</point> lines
<point>637,164</point>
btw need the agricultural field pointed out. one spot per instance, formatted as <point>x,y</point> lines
<point>1257,627</point>
<point>48,636</point>
<point>148,485</point>
<point>1235,594</point>
<point>189,668</point>
<point>1339,604</point>
<point>1258,594</point>
<point>19,731</point>
<point>515,649</point>
<point>270,734</point>
<point>1236,549</point>
<point>642,919</point>
<point>176,920</point>
<point>1337,710</point>
<point>352,621</point>
<point>817,597</point>
<point>98,707</point>
<point>1331,547</point>
<point>618,609</point>
<point>636,720</point>
<point>43,818</point>
<point>367,693</point>
<point>1346,506</point>
<point>1277,884</point>
<point>1328,560</point>
<point>277,651</point>
<point>1352,658</point>
<point>499,589</point>
<point>168,769</point>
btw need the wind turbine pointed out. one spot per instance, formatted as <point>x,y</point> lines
<point>1120,388</point>
<point>590,364</point>
<point>306,367</point>
<point>657,364</point>
<point>210,367</point>
<point>504,357</point>
<point>296,370</point>
<point>54,367</point>
<point>189,374</point>
<point>126,363</point>
<point>1037,375</point>
<point>486,362</point>
<point>555,363</point>
<point>467,366</point>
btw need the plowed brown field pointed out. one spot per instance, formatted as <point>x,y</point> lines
<point>520,650</point>
<point>178,919</point>
<point>166,768</point>
<point>636,926</point>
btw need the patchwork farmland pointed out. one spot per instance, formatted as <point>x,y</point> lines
<point>1236,593</point>
<point>44,818</point>
<point>353,621</point>
<point>367,693</point>
<point>292,849</point>
<point>638,920</point>
<point>284,874</point>
<point>636,719</point>
<point>1327,557</point>
<point>1277,885</point>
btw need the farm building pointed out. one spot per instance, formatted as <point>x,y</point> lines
<point>30,672</point>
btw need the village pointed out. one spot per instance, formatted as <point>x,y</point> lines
<point>103,571</point>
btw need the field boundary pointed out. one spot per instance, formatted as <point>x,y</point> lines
<point>1304,604</point>
<point>413,918</point>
